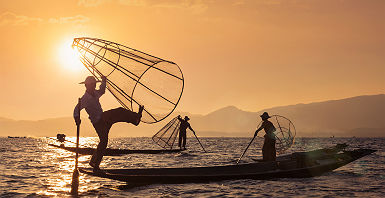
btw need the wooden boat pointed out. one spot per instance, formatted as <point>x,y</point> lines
<point>296,165</point>
<point>16,137</point>
<point>115,152</point>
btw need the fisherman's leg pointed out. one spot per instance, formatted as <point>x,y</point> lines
<point>264,150</point>
<point>100,150</point>
<point>102,129</point>
<point>273,150</point>
<point>184,141</point>
<point>122,115</point>
<point>180,140</point>
<point>270,150</point>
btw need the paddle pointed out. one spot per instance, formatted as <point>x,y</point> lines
<point>75,175</point>
<point>199,142</point>
<point>246,149</point>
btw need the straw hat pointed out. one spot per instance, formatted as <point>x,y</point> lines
<point>265,115</point>
<point>90,80</point>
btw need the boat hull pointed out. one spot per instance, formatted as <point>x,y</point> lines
<point>115,152</point>
<point>293,166</point>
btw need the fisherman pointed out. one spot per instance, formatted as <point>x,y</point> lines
<point>268,149</point>
<point>61,138</point>
<point>182,131</point>
<point>102,121</point>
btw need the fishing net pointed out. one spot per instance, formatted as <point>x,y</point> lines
<point>167,135</point>
<point>133,77</point>
<point>284,134</point>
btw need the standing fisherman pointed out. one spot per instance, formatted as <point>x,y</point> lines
<point>102,121</point>
<point>268,149</point>
<point>182,131</point>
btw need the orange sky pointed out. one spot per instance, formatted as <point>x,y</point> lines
<point>253,54</point>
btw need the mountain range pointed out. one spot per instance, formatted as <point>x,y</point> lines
<point>360,116</point>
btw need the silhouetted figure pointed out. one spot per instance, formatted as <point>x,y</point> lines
<point>268,149</point>
<point>61,138</point>
<point>102,121</point>
<point>182,131</point>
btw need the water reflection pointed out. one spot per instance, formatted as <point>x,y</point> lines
<point>32,167</point>
<point>58,179</point>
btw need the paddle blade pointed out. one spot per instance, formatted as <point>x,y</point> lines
<point>75,182</point>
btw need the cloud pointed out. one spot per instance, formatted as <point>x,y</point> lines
<point>96,3</point>
<point>91,3</point>
<point>12,19</point>
<point>133,2</point>
<point>195,6</point>
<point>9,18</point>
<point>78,19</point>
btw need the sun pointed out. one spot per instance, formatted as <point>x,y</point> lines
<point>68,57</point>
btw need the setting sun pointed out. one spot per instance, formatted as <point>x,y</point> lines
<point>68,57</point>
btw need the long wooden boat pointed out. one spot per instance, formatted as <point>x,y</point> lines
<point>296,165</point>
<point>115,152</point>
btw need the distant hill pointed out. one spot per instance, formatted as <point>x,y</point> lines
<point>357,116</point>
<point>328,118</point>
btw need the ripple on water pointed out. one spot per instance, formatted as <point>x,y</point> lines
<point>31,168</point>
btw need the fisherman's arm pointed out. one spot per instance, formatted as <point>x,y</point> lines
<point>77,115</point>
<point>77,110</point>
<point>102,87</point>
<point>189,126</point>
<point>260,128</point>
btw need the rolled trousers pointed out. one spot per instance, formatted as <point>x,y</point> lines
<point>182,139</point>
<point>103,127</point>
<point>268,149</point>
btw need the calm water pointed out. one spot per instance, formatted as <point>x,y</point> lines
<point>29,167</point>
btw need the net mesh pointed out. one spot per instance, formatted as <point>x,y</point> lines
<point>284,134</point>
<point>133,77</point>
<point>166,136</point>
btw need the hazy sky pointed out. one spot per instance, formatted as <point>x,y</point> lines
<point>253,54</point>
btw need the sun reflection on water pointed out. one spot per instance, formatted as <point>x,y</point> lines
<point>32,168</point>
<point>59,180</point>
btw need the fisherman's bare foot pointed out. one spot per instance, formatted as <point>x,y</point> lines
<point>96,169</point>
<point>92,164</point>
<point>141,108</point>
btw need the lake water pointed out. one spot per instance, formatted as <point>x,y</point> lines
<point>31,168</point>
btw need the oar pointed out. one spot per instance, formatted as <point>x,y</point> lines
<point>200,142</point>
<point>246,149</point>
<point>75,175</point>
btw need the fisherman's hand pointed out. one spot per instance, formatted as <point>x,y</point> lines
<point>77,120</point>
<point>104,79</point>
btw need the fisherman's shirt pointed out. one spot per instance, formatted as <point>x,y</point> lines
<point>91,104</point>
<point>269,129</point>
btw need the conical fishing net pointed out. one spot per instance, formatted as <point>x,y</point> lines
<point>133,77</point>
<point>284,134</point>
<point>167,135</point>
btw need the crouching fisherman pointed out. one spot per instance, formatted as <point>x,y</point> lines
<point>61,138</point>
<point>268,149</point>
<point>102,121</point>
